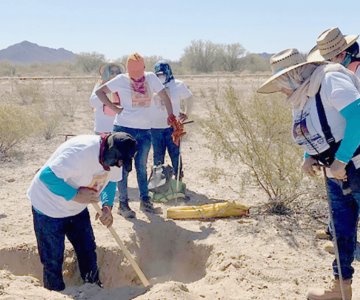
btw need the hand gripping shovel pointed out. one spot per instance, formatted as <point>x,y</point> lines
<point>133,263</point>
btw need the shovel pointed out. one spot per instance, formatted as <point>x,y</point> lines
<point>133,263</point>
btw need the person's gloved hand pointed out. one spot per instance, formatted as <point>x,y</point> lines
<point>178,133</point>
<point>171,120</point>
<point>106,217</point>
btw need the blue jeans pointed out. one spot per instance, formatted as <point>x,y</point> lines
<point>345,211</point>
<point>50,235</point>
<point>143,139</point>
<point>161,140</point>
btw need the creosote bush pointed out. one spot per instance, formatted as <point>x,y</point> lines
<point>256,132</point>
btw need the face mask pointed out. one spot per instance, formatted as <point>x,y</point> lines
<point>162,78</point>
<point>347,60</point>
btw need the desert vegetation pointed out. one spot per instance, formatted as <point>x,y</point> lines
<point>239,148</point>
<point>200,57</point>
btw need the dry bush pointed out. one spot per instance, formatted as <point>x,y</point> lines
<point>256,133</point>
<point>29,93</point>
<point>16,124</point>
<point>66,105</point>
<point>50,125</point>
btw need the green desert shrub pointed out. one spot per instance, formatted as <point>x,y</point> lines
<point>255,132</point>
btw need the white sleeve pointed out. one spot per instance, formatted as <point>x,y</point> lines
<point>94,100</point>
<point>114,84</point>
<point>357,72</point>
<point>154,82</point>
<point>339,89</point>
<point>68,164</point>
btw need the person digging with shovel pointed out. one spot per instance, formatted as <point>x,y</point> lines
<point>83,170</point>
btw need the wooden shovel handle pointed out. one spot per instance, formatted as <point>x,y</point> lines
<point>133,263</point>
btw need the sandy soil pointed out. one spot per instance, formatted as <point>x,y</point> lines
<point>259,257</point>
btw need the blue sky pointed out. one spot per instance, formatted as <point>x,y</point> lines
<point>150,27</point>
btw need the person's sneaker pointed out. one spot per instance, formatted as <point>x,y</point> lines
<point>147,206</point>
<point>333,293</point>
<point>125,211</point>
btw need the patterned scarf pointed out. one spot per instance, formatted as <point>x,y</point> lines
<point>163,67</point>
<point>138,85</point>
<point>103,145</point>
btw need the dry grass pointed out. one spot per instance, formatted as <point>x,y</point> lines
<point>16,124</point>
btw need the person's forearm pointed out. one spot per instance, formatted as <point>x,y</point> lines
<point>351,139</point>
<point>186,105</point>
<point>104,98</point>
<point>108,194</point>
<point>164,96</point>
<point>101,94</point>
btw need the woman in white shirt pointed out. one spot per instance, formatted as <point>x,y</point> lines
<point>325,99</point>
<point>133,116</point>
<point>103,115</point>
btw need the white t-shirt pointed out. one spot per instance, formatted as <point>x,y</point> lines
<point>357,72</point>
<point>176,91</point>
<point>337,92</point>
<point>76,162</point>
<point>136,106</point>
<point>102,121</point>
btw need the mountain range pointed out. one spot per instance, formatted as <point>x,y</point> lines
<point>29,53</point>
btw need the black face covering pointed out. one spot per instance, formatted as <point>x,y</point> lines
<point>120,147</point>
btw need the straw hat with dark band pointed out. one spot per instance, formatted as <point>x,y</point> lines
<point>331,43</point>
<point>282,63</point>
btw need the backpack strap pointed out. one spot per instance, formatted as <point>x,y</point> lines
<point>323,120</point>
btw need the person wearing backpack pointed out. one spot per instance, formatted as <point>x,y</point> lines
<point>133,115</point>
<point>327,91</point>
<point>162,134</point>
<point>103,115</point>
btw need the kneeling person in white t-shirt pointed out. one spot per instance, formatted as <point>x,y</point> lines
<point>82,170</point>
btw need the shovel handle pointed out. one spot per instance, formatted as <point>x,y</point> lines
<point>133,263</point>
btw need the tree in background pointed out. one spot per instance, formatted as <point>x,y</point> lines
<point>89,62</point>
<point>201,56</point>
<point>254,63</point>
<point>230,56</point>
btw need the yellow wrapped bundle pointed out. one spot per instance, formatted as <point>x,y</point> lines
<point>215,210</point>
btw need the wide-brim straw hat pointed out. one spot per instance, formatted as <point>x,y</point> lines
<point>330,43</point>
<point>280,64</point>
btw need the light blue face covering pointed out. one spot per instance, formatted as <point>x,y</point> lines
<point>347,60</point>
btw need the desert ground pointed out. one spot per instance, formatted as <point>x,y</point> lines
<point>262,256</point>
